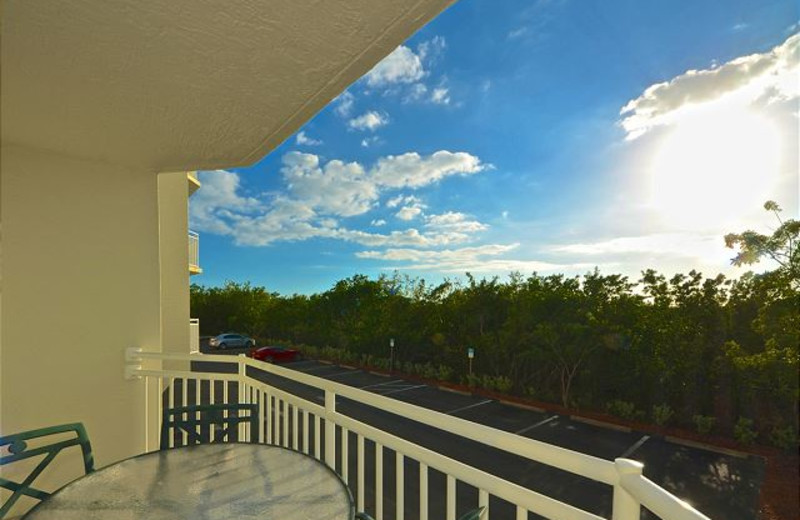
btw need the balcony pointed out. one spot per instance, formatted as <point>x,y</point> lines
<point>394,475</point>
<point>194,253</point>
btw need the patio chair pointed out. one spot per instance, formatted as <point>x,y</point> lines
<point>17,447</point>
<point>475,514</point>
<point>208,423</point>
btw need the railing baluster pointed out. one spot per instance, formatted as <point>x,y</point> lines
<point>345,455</point>
<point>423,491</point>
<point>295,427</point>
<point>360,501</point>
<point>317,439</point>
<point>171,404</point>
<point>451,498</point>
<point>400,486</point>
<point>378,481</point>
<point>184,399</point>
<point>305,432</point>
<point>285,435</point>
<point>522,513</point>
<point>262,415</point>
<point>483,501</point>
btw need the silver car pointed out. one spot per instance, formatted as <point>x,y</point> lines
<point>224,341</point>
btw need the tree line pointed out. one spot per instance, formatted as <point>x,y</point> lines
<point>715,354</point>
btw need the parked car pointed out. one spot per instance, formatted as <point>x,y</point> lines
<point>275,354</point>
<point>230,340</point>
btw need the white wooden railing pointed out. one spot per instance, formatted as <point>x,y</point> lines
<point>292,421</point>
<point>194,250</point>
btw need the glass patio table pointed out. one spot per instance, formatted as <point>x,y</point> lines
<point>211,481</point>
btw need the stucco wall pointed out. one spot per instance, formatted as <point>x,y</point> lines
<point>80,284</point>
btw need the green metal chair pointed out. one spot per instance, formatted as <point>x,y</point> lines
<point>17,448</point>
<point>200,421</point>
<point>475,514</point>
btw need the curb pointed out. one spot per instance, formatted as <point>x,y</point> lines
<point>351,367</point>
<point>601,424</point>
<point>523,406</point>
<point>704,446</point>
<point>453,390</point>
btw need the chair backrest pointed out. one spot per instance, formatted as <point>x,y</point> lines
<point>17,448</point>
<point>208,423</point>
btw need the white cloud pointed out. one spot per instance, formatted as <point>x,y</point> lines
<point>410,170</point>
<point>440,96</point>
<point>402,199</point>
<point>344,104</point>
<point>304,140</point>
<point>504,214</point>
<point>432,49</point>
<point>317,194</point>
<point>371,120</point>
<point>408,212</point>
<point>337,188</point>
<point>401,66</point>
<point>370,141</point>
<point>517,33</point>
<point>378,222</point>
<point>478,259</point>
<point>761,77</point>
<point>455,222</point>
<point>219,193</point>
<point>416,92</point>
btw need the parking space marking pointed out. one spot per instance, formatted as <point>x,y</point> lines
<point>469,406</point>
<point>341,373</point>
<point>403,389</point>
<point>381,384</point>
<point>635,447</point>
<point>532,426</point>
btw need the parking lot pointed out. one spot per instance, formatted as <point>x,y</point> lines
<point>721,484</point>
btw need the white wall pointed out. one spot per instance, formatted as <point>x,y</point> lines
<point>81,283</point>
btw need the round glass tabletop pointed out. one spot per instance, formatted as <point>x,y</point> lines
<point>211,481</point>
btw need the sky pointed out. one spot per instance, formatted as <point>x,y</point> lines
<point>548,136</point>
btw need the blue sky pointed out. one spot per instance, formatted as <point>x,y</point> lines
<point>549,136</point>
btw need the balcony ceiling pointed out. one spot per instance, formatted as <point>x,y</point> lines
<point>185,84</point>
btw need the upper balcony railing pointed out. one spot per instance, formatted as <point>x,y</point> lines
<point>341,441</point>
<point>194,253</point>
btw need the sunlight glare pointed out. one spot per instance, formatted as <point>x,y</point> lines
<point>716,164</point>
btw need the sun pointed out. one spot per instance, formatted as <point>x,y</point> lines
<point>715,164</point>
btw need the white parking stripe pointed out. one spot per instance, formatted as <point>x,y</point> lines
<point>403,389</point>
<point>469,406</point>
<point>532,426</point>
<point>635,447</point>
<point>342,373</point>
<point>381,384</point>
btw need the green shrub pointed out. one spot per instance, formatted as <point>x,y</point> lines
<point>784,438</point>
<point>744,432</point>
<point>429,371</point>
<point>704,423</point>
<point>662,413</point>
<point>622,409</point>
<point>445,373</point>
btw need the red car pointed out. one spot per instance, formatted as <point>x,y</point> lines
<point>274,354</point>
